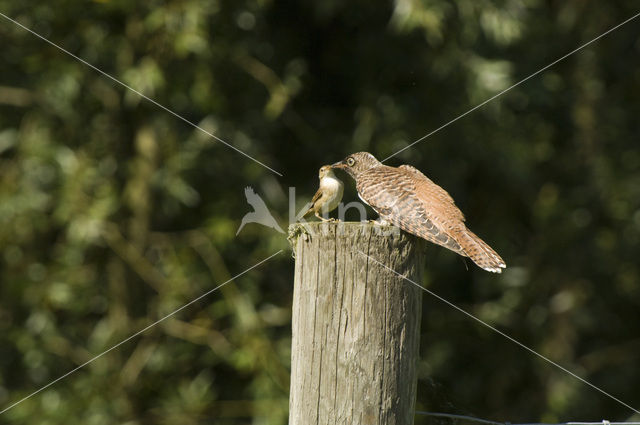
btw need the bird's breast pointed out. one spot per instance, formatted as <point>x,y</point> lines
<point>331,185</point>
<point>332,190</point>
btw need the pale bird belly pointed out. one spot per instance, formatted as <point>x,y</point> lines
<point>332,191</point>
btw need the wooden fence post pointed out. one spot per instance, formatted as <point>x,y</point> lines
<point>356,325</point>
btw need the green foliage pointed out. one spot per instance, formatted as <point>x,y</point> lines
<point>114,213</point>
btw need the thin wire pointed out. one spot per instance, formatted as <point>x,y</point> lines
<point>503,334</point>
<point>451,416</point>
<point>139,93</point>
<point>138,333</point>
<point>485,421</point>
<point>515,85</point>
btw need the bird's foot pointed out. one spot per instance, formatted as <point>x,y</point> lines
<point>326,220</point>
<point>380,222</point>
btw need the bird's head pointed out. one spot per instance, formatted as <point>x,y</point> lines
<point>325,171</point>
<point>357,163</point>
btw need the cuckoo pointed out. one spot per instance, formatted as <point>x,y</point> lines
<point>408,199</point>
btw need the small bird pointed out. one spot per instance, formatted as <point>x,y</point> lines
<point>329,193</point>
<point>260,213</point>
<point>408,199</point>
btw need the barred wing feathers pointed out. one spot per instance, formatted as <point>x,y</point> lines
<point>391,192</point>
<point>410,200</point>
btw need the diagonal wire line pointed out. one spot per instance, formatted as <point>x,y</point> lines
<point>467,418</point>
<point>515,85</point>
<point>485,421</point>
<point>191,123</point>
<point>501,333</point>
<point>138,333</point>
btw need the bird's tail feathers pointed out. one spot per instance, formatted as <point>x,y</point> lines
<point>481,253</point>
<point>309,211</point>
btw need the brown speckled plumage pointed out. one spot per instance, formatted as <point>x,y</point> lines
<point>410,200</point>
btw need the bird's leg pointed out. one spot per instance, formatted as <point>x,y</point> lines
<point>380,222</point>
<point>321,217</point>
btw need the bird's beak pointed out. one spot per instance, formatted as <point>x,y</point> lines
<point>339,164</point>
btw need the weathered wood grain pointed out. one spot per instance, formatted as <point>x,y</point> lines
<point>356,325</point>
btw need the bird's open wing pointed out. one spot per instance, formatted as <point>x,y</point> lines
<point>393,193</point>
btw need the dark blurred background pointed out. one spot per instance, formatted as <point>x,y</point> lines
<point>114,213</point>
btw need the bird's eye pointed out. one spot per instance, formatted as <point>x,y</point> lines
<point>350,162</point>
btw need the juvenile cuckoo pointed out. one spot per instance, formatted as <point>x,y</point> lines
<point>408,199</point>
